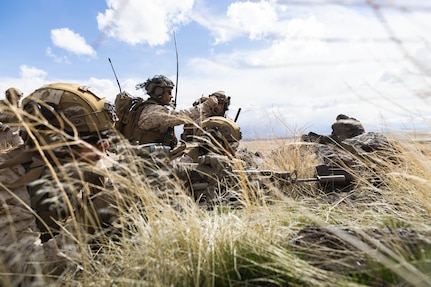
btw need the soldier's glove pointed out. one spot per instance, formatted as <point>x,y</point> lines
<point>211,102</point>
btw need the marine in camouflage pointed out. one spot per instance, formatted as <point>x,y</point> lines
<point>158,118</point>
<point>223,103</point>
<point>64,129</point>
<point>9,122</point>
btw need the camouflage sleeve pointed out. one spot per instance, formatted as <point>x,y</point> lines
<point>161,117</point>
<point>19,237</point>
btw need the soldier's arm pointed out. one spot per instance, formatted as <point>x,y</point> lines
<point>156,116</point>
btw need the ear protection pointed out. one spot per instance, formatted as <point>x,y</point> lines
<point>158,91</point>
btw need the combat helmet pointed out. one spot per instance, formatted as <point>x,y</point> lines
<point>156,85</point>
<point>71,108</point>
<point>222,129</point>
<point>221,99</point>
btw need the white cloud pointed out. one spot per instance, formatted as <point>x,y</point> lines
<point>242,18</point>
<point>70,41</point>
<point>30,79</point>
<point>32,72</point>
<point>319,63</point>
<point>136,21</point>
<point>105,87</point>
<point>257,18</point>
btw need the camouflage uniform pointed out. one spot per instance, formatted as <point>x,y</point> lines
<point>36,178</point>
<point>204,163</point>
<point>190,129</point>
<point>158,119</point>
<point>346,127</point>
<point>21,251</point>
<point>13,96</point>
<point>19,242</point>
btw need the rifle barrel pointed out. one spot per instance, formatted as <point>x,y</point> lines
<point>264,173</point>
<point>323,179</point>
<point>287,175</point>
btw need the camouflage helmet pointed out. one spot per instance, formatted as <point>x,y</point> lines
<point>222,131</point>
<point>222,99</point>
<point>156,85</point>
<point>222,126</point>
<point>70,107</point>
<point>13,94</point>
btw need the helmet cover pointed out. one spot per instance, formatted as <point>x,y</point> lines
<point>226,127</point>
<point>222,100</point>
<point>71,106</point>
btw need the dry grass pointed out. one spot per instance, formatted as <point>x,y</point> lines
<point>377,234</point>
<point>261,244</point>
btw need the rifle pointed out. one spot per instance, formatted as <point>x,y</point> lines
<point>327,176</point>
<point>210,182</point>
<point>118,83</point>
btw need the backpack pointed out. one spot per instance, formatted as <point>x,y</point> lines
<point>128,110</point>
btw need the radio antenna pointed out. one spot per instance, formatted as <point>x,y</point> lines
<point>118,83</point>
<point>176,81</point>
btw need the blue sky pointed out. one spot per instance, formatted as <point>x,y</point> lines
<point>291,66</point>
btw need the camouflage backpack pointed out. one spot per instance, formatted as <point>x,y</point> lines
<point>128,109</point>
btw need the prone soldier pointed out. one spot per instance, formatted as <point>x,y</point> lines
<point>45,180</point>
<point>203,163</point>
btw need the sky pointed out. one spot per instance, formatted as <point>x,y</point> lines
<point>290,66</point>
